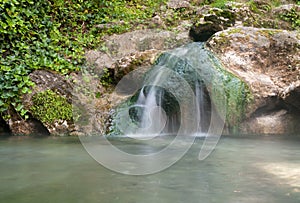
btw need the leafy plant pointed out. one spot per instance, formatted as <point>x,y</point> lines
<point>49,107</point>
<point>292,17</point>
<point>53,35</point>
<point>106,78</point>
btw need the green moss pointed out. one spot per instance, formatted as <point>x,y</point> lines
<point>49,107</point>
<point>268,32</point>
<point>232,90</point>
<point>234,30</point>
<point>219,3</point>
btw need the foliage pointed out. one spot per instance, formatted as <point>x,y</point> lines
<point>292,17</point>
<point>52,34</point>
<point>219,3</point>
<point>49,107</point>
<point>106,79</point>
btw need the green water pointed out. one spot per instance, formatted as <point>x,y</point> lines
<point>258,169</point>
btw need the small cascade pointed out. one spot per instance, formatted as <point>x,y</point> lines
<point>152,119</point>
<point>175,96</point>
<point>199,104</point>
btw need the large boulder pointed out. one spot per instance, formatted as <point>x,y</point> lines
<point>268,61</point>
<point>49,105</point>
<point>169,81</point>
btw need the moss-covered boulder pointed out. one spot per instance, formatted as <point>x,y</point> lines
<point>268,61</point>
<point>50,102</point>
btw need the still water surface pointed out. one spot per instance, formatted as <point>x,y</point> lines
<point>58,169</point>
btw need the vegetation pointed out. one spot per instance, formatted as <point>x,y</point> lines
<point>53,34</point>
<point>49,107</point>
<point>292,17</point>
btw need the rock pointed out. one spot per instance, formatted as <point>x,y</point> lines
<point>16,125</point>
<point>274,123</point>
<point>4,127</point>
<point>291,95</point>
<point>203,31</point>
<point>110,25</point>
<point>140,46</point>
<point>215,21</point>
<point>285,9</point>
<point>257,14</point>
<point>157,22</point>
<point>205,76</point>
<point>47,84</point>
<point>177,4</point>
<point>118,56</point>
<point>27,127</point>
<point>268,61</point>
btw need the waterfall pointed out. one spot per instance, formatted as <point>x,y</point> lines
<point>175,96</point>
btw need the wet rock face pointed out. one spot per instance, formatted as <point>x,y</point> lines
<point>268,61</point>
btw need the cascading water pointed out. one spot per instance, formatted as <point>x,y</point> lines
<point>152,118</point>
<point>186,92</point>
<point>173,95</point>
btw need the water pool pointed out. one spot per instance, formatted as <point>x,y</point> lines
<point>58,169</point>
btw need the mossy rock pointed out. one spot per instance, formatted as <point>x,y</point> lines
<point>49,107</point>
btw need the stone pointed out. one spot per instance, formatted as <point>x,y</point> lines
<point>119,55</point>
<point>214,21</point>
<point>136,46</point>
<point>268,61</point>
<point>157,22</point>
<point>4,127</point>
<point>177,4</point>
<point>44,80</point>
<point>203,31</point>
<point>274,123</point>
<point>28,127</point>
